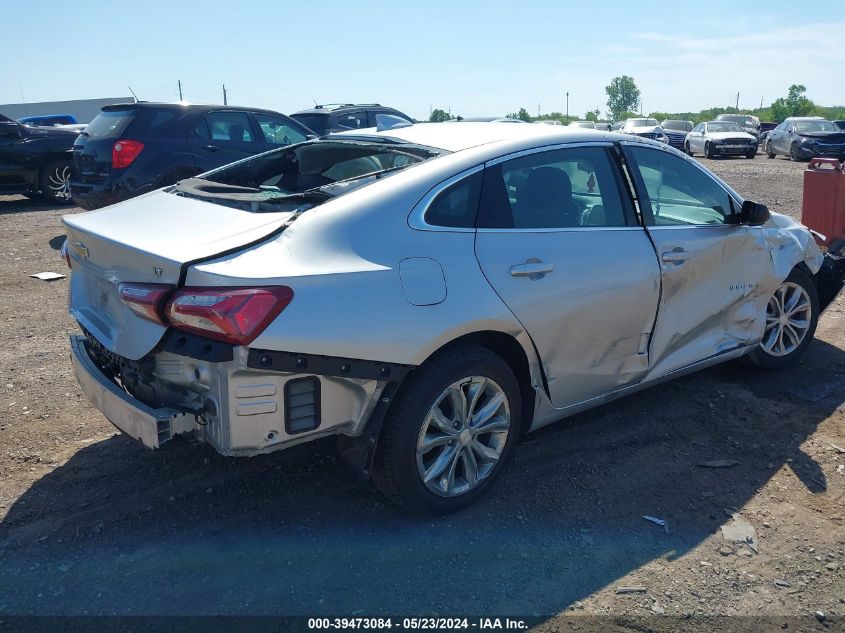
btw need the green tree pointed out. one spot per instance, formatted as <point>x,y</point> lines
<point>438,116</point>
<point>795,104</point>
<point>592,115</point>
<point>522,115</point>
<point>622,95</point>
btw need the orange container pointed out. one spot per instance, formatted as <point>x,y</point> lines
<point>824,199</point>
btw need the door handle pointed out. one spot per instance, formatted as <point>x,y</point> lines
<point>535,270</point>
<point>674,257</point>
<point>211,148</point>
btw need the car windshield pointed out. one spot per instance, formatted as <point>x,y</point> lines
<point>802,127</point>
<point>723,126</point>
<point>736,118</point>
<point>109,124</point>
<point>302,176</point>
<point>315,122</point>
<point>641,123</point>
<point>682,126</point>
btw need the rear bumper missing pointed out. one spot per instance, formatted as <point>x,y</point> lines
<point>152,427</point>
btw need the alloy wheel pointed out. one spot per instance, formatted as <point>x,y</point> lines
<point>59,182</point>
<point>463,436</point>
<point>788,319</point>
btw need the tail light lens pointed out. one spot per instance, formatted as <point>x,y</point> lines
<point>124,152</point>
<point>233,315</point>
<point>145,300</point>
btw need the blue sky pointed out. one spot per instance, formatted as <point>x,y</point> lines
<point>476,58</point>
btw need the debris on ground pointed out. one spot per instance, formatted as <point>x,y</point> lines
<point>741,531</point>
<point>631,589</point>
<point>782,584</point>
<point>719,463</point>
<point>48,276</point>
<point>838,449</point>
<point>661,522</point>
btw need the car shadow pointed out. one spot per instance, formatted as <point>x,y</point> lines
<point>118,529</point>
<point>19,204</point>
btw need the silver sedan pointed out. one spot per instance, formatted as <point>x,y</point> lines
<point>427,294</point>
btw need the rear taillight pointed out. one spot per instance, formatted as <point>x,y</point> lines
<point>66,254</point>
<point>145,300</point>
<point>123,152</point>
<point>234,315</point>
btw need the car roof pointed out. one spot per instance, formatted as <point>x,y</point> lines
<point>334,107</point>
<point>454,138</point>
<point>192,107</point>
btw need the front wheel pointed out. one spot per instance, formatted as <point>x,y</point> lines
<point>791,318</point>
<point>450,431</point>
<point>55,182</point>
<point>688,149</point>
<point>793,152</point>
<point>751,153</point>
<point>708,150</point>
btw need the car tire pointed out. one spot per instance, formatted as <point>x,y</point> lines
<point>751,154</point>
<point>687,149</point>
<point>55,182</point>
<point>424,434</point>
<point>708,150</point>
<point>770,151</point>
<point>784,340</point>
<point>793,153</point>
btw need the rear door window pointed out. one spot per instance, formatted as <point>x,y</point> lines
<point>352,120</point>
<point>232,127</point>
<point>109,124</point>
<point>276,131</point>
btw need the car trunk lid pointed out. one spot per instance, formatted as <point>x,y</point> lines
<point>150,239</point>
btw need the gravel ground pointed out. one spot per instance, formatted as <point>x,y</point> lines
<point>92,523</point>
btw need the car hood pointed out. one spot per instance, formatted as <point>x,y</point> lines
<point>718,136</point>
<point>836,137</point>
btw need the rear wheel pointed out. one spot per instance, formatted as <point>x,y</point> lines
<point>770,151</point>
<point>451,429</point>
<point>55,182</point>
<point>791,317</point>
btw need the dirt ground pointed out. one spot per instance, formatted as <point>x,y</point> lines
<point>93,523</point>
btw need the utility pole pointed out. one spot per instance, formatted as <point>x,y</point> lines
<point>538,110</point>
<point>761,103</point>
<point>567,104</point>
<point>179,81</point>
<point>224,95</point>
<point>737,101</point>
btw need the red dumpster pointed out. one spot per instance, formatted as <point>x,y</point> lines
<point>824,201</point>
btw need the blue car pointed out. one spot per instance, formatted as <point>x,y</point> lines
<point>48,120</point>
<point>676,130</point>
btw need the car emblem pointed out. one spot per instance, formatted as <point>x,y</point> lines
<point>157,271</point>
<point>81,249</point>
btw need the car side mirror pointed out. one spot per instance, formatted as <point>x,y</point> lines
<point>754,213</point>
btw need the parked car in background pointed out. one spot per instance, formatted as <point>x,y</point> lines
<point>211,308</point>
<point>803,138</point>
<point>589,125</point>
<point>617,125</point>
<point>49,120</point>
<point>548,122</point>
<point>484,119</point>
<point>337,117</point>
<point>765,128</point>
<point>603,125</point>
<point>720,138</point>
<point>676,131</point>
<point>644,128</point>
<point>35,161</point>
<point>132,148</point>
<point>748,122</point>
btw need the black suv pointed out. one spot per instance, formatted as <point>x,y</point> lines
<point>339,117</point>
<point>132,148</point>
<point>35,161</point>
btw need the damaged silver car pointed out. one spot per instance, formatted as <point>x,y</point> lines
<point>427,294</point>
